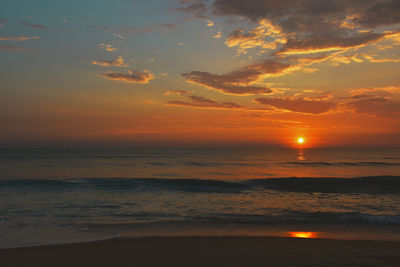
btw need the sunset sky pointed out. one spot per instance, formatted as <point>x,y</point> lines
<point>196,72</point>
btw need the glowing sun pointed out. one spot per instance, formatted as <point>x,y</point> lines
<point>303,234</point>
<point>300,140</point>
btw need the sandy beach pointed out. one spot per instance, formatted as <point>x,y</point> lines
<point>207,251</point>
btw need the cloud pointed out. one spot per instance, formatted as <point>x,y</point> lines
<point>312,15</point>
<point>258,37</point>
<point>242,81</point>
<point>35,26</point>
<point>132,76</point>
<point>223,83</point>
<point>203,102</point>
<point>378,106</point>
<point>389,90</point>
<point>119,62</point>
<point>11,48</point>
<point>120,36</point>
<point>18,38</point>
<point>303,26</point>
<point>195,7</point>
<point>302,105</point>
<point>176,92</point>
<point>169,26</point>
<point>317,44</point>
<point>107,47</point>
<point>3,22</point>
<point>380,14</point>
<point>120,30</point>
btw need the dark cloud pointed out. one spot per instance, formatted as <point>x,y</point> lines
<point>194,7</point>
<point>290,27</point>
<point>35,26</point>
<point>130,77</point>
<point>312,106</point>
<point>377,106</point>
<point>381,13</point>
<point>203,102</point>
<point>11,48</point>
<point>323,43</point>
<point>223,83</point>
<point>239,82</point>
<point>312,24</point>
<point>286,13</point>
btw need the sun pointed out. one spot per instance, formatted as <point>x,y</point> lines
<point>300,140</point>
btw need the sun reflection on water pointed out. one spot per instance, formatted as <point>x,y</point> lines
<point>303,234</point>
<point>301,156</point>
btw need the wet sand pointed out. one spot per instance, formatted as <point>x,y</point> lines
<point>207,251</point>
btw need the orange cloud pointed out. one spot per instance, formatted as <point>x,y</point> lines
<point>317,44</point>
<point>107,47</point>
<point>256,37</point>
<point>131,77</point>
<point>176,92</point>
<point>119,62</point>
<point>302,105</point>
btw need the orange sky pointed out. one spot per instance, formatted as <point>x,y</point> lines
<point>201,72</point>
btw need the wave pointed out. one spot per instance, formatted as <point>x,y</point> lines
<point>347,163</point>
<point>285,217</point>
<point>136,184</point>
<point>371,185</point>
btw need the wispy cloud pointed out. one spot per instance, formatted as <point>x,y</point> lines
<point>203,102</point>
<point>118,31</point>
<point>18,38</point>
<point>107,47</point>
<point>11,48</point>
<point>240,82</point>
<point>302,105</point>
<point>317,44</point>
<point>3,22</point>
<point>176,92</point>
<point>31,25</point>
<point>120,36</point>
<point>378,106</point>
<point>132,76</point>
<point>119,62</point>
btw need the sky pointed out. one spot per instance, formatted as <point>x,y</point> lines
<point>200,72</point>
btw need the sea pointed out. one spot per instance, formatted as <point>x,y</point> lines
<point>63,195</point>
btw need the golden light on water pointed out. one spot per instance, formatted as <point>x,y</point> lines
<point>300,140</point>
<point>303,234</point>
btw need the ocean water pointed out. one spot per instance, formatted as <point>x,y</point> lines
<point>58,195</point>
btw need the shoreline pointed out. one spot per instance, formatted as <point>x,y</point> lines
<point>207,251</point>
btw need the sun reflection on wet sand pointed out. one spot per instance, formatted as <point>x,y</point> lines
<point>304,234</point>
